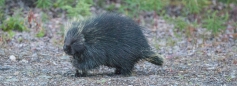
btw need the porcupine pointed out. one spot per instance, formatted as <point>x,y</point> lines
<point>108,39</point>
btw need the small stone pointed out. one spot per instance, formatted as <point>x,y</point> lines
<point>177,48</point>
<point>101,81</point>
<point>34,55</point>
<point>4,68</point>
<point>24,61</point>
<point>58,76</point>
<point>232,74</point>
<point>16,73</point>
<point>12,57</point>
<point>200,41</point>
<point>44,76</point>
<point>65,57</point>
<point>162,43</point>
<point>12,80</point>
<point>2,78</point>
<point>220,58</point>
<point>2,53</point>
<point>35,58</point>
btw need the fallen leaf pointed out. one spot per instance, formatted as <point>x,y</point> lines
<point>234,35</point>
<point>30,16</point>
<point>235,62</point>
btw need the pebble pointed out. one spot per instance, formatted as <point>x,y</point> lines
<point>162,43</point>
<point>12,57</point>
<point>35,58</point>
<point>24,61</point>
<point>2,53</point>
<point>4,68</point>
<point>2,78</point>
<point>44,76</point>
<point>16,73</point>
<point>233,74</point>
<point>65,57</point>
<point>12,80</point>
<point>58,76</point>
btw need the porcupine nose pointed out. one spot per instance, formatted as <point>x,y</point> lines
<point>66,48</point>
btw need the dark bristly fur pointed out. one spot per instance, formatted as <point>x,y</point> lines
<point>110,40</point>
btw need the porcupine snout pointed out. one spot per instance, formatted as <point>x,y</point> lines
<point>67,49</point>
<point>72,46</point>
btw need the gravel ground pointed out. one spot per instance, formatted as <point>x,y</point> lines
<point>195,60</point>
<point>41,61</point>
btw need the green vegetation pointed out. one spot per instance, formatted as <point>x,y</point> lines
<point>209,18</point>
<point>134,7</point>
<point>2,3</point>
<point>73,8</point>
<point>228,1</point>
<point>82,8</point>
<point>189,7</point>
<point>194,6</point>
<point>170,41</point>
<point>215,23</point>
<point>1,15</point>
<point>45,17</point>
<point>180,23</point>
<point>44,4</point>
<point>60,3</point>
<point>13,23</point>
<point>7,36</point>
<point>41,33</point>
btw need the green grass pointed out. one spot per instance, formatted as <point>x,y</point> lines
<point>41,33</point>
<point>82,8</point>
<point>13,23</point>
<point>134,7</point>
<point>194,6</point>
<point>170,42</point>
<point>2,6</point>
<point>60,3</point>
<point>228,1</point>
<point>1,15</point>
<point>111,7</point>
<point>2,3</point>
<point>180,23</point>
<point>5,37</point>
<point>72,7</point>
<point>214,22</point>
<point>44,4</point>
<point>45,17</point>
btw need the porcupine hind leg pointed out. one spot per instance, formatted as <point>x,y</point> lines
<point>80,74</point>
<point>118,71</point>
<point>125,70</point>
